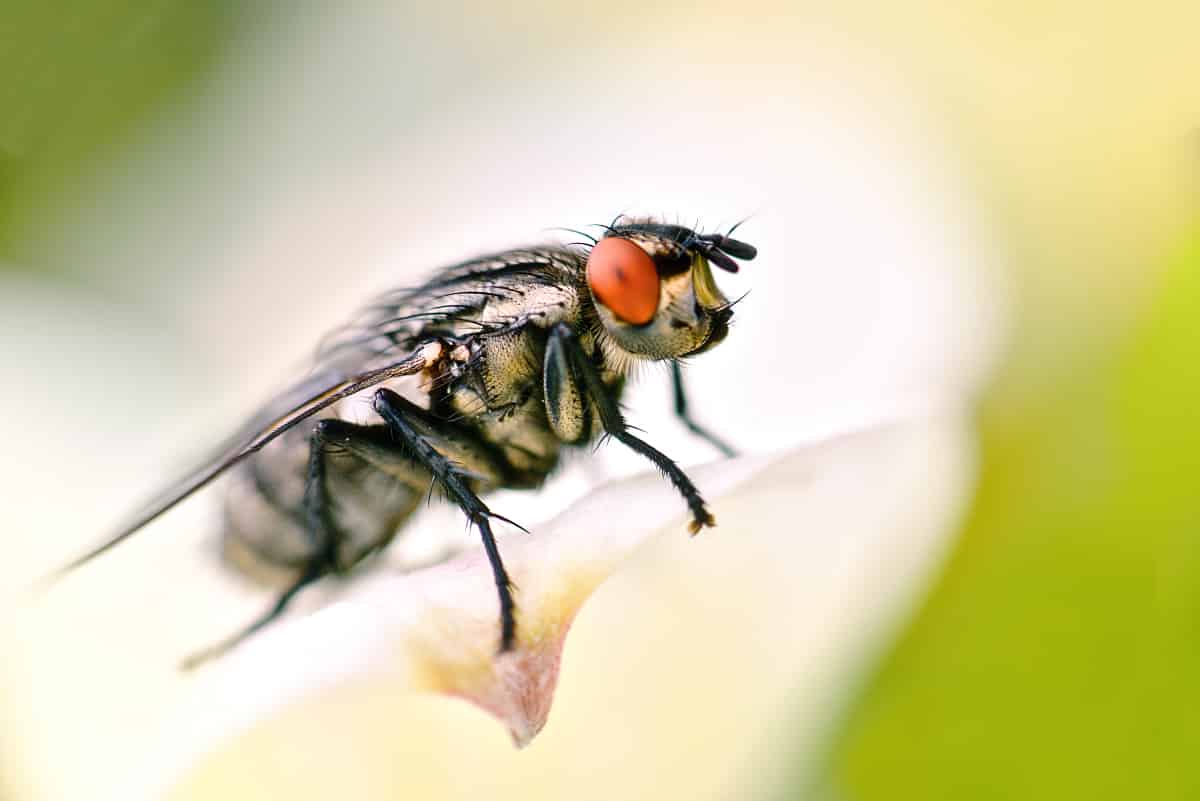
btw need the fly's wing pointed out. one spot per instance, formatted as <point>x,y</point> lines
<point>316,392</point>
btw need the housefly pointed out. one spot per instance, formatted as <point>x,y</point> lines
<point>514,355</point>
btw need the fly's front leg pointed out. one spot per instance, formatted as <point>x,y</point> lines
<point>406,419</point>
<point>681,411</point>
<point>564,339</point>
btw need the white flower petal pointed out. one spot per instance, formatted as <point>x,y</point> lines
<point>435,630</point>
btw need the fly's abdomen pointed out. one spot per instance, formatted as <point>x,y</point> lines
<point>268,529</point>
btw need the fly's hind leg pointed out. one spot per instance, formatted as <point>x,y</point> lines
<point>435,450</point>
<point>327,436</point>
<point>313,571</point>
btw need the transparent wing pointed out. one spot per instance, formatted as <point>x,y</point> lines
<point>300,402</point>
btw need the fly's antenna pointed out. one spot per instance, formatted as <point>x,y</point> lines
<point>721,249</point>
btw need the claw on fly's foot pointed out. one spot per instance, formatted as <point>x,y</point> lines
<point>696,524</point>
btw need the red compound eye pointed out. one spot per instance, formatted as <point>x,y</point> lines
<point>623,277</point>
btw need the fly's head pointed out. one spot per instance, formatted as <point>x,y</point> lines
<point>653,288</point>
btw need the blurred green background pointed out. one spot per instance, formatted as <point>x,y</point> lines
<point>77,81</point>
<point>1056,653</point>
<point>1056,656</point>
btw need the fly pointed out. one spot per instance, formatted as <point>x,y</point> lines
<point>514,355</point>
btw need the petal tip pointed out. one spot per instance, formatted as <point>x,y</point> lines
<point>519,689</point>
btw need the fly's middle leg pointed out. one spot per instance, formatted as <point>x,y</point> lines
<point>408,421</point>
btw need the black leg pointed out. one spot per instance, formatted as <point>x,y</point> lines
<point>614,423</point>
<point>316,508</point>
<point>401,416</point>
<point>681,411</point>
<point>314,571</point>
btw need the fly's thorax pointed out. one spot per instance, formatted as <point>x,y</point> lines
<point>507,346</point>
<point>520,435</point>
<point>541,303</point>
